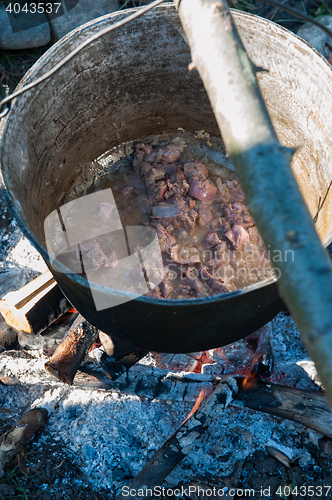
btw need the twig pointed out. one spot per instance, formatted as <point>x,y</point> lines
<point>180,444</point>
<point>263,167</point>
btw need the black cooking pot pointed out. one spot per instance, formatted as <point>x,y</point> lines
<point>134,82</point>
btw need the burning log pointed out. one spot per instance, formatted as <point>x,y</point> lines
<point>13,441</point>
<point>115,367</point>
<point>263,362</point>
<point>67,358</point>
<point>180,444</point>
<point>31,309</point>
<point>309,408</point>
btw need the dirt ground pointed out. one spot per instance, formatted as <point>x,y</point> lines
<point>49,465</point>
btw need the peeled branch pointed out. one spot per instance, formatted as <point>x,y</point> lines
<point>13,441</point>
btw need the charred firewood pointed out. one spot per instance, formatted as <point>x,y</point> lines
<point>13,441</point>
<point>179,445</point>
<point>115,367</point>
<point>67,358</point>
<point>263,363</point>
<point>309,408</point>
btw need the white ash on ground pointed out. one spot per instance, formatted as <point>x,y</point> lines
<point>110,435</point>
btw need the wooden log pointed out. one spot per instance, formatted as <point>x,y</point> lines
<point>179,445</point>
<point>114,367</point>
<point>310,408</point>
<point>68,356</point>
<point>34,307</point>
<point>13,441</point>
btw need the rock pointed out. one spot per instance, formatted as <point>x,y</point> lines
<point>317,37</point>
<point>23,30</point>
<point>83,12</point>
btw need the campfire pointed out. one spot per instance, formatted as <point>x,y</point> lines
<point>243,386</point>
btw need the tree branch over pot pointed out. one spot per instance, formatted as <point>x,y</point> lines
<point>263,166</point>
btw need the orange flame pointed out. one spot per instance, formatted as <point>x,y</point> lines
<point>200,398</point>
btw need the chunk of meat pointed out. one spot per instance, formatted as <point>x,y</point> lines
<point>172,153</point>
<point>177,175</point>
<point>196,170</point>
<point>166,288</point>
<point>204,216</point>
<point>166,239</point>
<point>238,236</point>
<point>237,213</point>
<point>225,194</point>
<point>235,189</point>
<point>202,190</point>
<point>211,240</point>
<point>165,210</point>
<point>185,255</point>
<point>95,258</point>
<point>217,285</point>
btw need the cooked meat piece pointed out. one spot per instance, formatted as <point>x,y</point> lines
<point>111,260</point>
<point>166,288</point>
<point>177,175</point>
<point>204,216</point>
<point>185,256</point>
<point>166,239</point>
<point>202,190</point>
<point>236,190</point>
<point>224,225</point>
<point>211,240</point>
<point>217,285</point>
<point>238,236</point>
<point>171,153</point>
<point>237,213</point>
<point>95,258</point>
<point>225,194</point>
<point>157,192</point>
<point>165,210</point>
<point>196,284</point>
<point>195,170</point>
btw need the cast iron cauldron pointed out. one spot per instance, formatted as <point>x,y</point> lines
<point>135,82</point>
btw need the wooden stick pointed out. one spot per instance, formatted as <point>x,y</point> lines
<point>180,444</point>
<point>263,167</point>
<point>68,356</point>
<point>310,408</point>
<point>35,306</point>
<point>13,441</point>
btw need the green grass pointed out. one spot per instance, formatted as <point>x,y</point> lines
<point>12,478</point>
